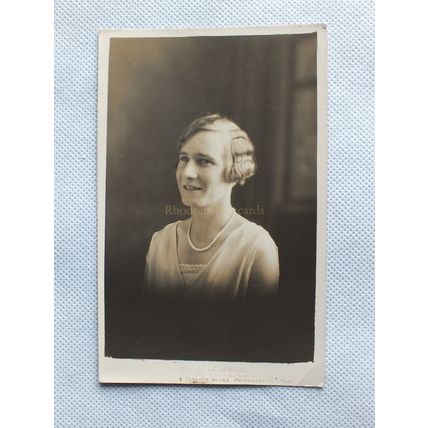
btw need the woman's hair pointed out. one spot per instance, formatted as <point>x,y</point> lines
<point>242,149</point>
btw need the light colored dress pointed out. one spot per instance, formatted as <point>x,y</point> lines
<point>225,277</point>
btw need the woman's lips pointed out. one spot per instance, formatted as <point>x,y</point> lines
<point>189,187</point>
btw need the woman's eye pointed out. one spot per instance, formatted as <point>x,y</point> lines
<point>183,158</point>
<point>204,162</point>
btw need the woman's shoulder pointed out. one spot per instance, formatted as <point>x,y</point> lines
<point>256,234</point>
<point>252,228</point>
<point>166,231</point>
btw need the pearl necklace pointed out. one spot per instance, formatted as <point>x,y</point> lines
<point>215,237</point>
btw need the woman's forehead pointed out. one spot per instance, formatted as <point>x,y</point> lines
<point>215,144</point>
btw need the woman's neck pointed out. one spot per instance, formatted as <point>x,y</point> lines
<point>207,222</point>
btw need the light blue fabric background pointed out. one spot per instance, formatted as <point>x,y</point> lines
<point>347,398</point>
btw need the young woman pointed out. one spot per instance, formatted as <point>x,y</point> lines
<point>216,255</point>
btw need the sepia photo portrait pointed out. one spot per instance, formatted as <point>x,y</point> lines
<point>212,205</point>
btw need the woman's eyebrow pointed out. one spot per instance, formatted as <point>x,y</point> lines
<point>200,154</point>
<point>205,156</point>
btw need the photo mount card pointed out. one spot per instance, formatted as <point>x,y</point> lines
<point>212,202</point>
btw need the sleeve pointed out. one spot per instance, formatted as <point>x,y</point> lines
<point>148,270</point>
<point>264,275</point>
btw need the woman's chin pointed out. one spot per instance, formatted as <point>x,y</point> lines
<point>193,206</point>
<point>196,208</point>
<point>191,203</point>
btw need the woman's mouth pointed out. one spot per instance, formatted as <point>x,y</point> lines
<point>188,187</point>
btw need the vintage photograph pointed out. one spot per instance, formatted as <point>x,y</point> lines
<point>212,205</point>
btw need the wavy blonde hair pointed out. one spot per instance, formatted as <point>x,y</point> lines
<point>242,148</point>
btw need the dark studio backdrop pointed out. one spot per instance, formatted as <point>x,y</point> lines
<point>157,86</point>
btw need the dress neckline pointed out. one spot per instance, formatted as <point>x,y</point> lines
<point>209,262</point>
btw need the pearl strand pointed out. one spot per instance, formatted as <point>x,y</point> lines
<point>215,237</point>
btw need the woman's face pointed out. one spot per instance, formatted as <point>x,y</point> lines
<point>201,168</point>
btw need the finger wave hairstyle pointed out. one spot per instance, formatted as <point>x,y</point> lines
<point>242,148</point>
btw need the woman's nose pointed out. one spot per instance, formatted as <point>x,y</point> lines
<point>190,170</point>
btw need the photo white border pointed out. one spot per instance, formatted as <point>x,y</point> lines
<point>119,370</point>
